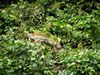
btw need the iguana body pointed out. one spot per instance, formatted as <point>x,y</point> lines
<point>43,38</point>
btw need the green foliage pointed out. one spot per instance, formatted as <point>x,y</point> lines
<point>75,29</point>
<point>22,15</point>
<point>84,62</point>
<point>72,23</point>
<point>21,57</point>
<point>26,58</point>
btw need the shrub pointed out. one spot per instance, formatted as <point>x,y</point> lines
<point>22,15</point>
<point>78,30</point>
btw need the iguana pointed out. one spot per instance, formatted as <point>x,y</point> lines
<point>40,37</point>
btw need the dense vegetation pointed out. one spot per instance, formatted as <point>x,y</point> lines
<point>75,22</point>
